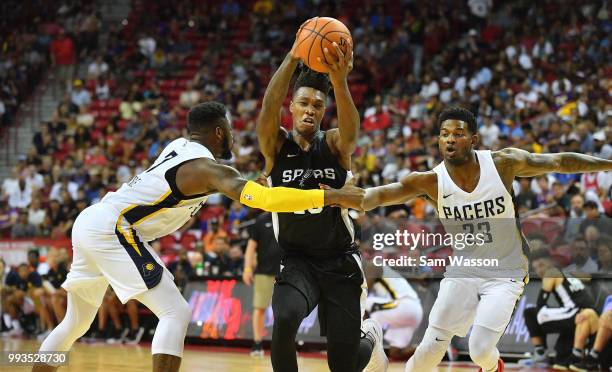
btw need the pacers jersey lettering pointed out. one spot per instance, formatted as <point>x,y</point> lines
<point>485,209</point>
<point>488,214</point>
<point>318,231</point>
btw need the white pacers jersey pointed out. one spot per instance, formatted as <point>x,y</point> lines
<point>150,203</point>
<point>393,286</point>
<point>488,214</point>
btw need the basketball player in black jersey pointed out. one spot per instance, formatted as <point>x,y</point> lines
<point>573,299</point>
<point>320,264</point>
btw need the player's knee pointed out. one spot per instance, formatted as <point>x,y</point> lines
<point>287,317</point>
<point>586,315</point>
<point>480,350</point>
<point>182,313</point>
<point>435,341</point>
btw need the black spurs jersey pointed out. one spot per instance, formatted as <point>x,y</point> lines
<point>572,293</point>
<point>314,232</point>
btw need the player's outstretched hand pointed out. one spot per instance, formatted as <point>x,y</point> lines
<point>339,64</point>
<point>349,196</point>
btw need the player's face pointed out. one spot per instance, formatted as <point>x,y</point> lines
<point>540,266</point>
<point>227,141</point>
<point>456,143</point>
<point>307,109</point>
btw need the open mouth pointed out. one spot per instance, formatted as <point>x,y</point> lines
<point>309,121</point>
<point>450,151</point>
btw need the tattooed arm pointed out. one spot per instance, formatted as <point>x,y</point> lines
<point>521,163</point>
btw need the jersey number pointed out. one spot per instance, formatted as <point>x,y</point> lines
<point>311,211</point>
<point>483,228</point>
<point>171,155</point>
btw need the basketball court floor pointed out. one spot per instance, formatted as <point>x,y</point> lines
<point>116,358</point>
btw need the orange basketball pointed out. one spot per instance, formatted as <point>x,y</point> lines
<point>319,33</point>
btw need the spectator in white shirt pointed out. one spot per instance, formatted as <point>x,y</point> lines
<point>64,183</point>
<point>97,68</point>
<point>36,214</point>
<point>489,132</point>
<point>11,183</point>
<point>526,98</point>
<point>21,196</point>
<point>561,85</point>
<point>430,87</point>
<point>542,49</point>
<point>80,96</point>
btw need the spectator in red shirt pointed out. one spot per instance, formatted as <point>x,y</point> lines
<point>63,56</point>
<point>379,120</point>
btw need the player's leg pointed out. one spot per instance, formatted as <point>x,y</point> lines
<point>58,301</point>
<point>134,334</point>
<point>586,321</point>
<point>295,295</point>
<point>604,333</point>
<point>482,346</point>
<point>167,303</point>
<point>113,307</point>
<point>351,345</point>
<point>537,336</point>
<point>290,307</point>
<point>262,297</point>
<point>401,318</point>
<point>498,298</point>
<point>430,351</point>
<point>452,314</point>
<point>80,312</point>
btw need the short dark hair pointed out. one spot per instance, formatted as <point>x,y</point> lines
<point>459,113</point>
<point>311,79</point>
<point>205,116</point>
<point>590,204</point>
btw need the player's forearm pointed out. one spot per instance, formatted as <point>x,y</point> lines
<point>571,162</point>
<point>394,193</point>
<point>249,255</point>
<point>285,200</point>
<point>277,87</point>
<point>348,116</point>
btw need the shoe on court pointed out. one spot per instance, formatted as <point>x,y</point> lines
<point>534,361</point>
<point>585,365</point>
<point>500,366</point>
<point>134,336</point>
<point>378,361</point>
<point>257,350</point>
<point>561,364</point>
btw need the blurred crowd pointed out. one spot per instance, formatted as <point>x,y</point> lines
<point>541,85</point>
<point>37,35</point>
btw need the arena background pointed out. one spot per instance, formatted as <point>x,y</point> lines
<point>91,91</point>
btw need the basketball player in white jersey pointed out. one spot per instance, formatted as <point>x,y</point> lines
<point>393,303</point>
<point>473,191</point>
<point>110,239</point>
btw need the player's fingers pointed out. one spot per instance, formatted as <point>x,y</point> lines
<point>323,186</point>
<point>330,57</point>
<point>353,180</point>
<point>339,51</point>
<point>329,66</point>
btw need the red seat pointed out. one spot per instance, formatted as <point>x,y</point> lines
<point>167,242</point>
<point>188,241</point>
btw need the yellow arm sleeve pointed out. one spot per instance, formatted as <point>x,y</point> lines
<point>280,199</point>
